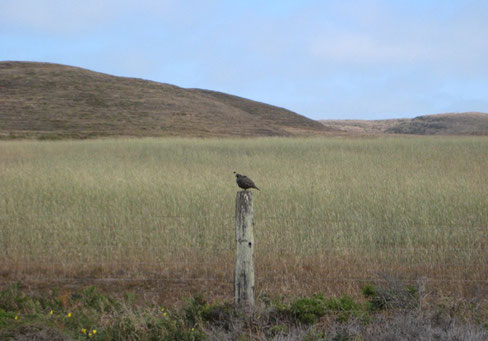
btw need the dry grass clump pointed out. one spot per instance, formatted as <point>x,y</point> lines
<point>330,215</point>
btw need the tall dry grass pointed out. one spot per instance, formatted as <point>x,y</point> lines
<point>329,209</point>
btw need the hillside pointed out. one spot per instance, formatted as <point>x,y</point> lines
<point>362,126</point>
<point>444,124</point>
<point>470,123</point>
<point>54,101</point>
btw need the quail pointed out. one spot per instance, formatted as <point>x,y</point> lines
<point>244,182</point>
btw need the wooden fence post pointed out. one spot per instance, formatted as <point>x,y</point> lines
<point>244,271</point>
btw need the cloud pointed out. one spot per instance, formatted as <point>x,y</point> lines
<point>60,17</point>
<point>344,47</point>
<point>314,57</point>
<point>388,35</point>
<point>53,17</point>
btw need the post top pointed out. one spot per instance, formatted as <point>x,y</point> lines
<point>244,192</point>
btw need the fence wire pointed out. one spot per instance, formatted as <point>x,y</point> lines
<point>172,265</point>
<point>259,279</point>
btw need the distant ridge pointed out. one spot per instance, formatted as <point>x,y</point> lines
<point>468,123</point>
<point>472,123</point>
<point>46,100</point>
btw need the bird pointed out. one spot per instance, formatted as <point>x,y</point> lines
<point>244,182</point>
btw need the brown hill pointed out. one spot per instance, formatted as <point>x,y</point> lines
<point>470,123</point>
<point>55,101</point>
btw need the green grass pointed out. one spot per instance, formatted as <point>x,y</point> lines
<point>90,314</point>
<point>328,207</point>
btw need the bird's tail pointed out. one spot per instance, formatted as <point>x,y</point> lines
<point>257,188</point>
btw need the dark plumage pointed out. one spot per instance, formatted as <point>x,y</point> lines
<point>244,182</point>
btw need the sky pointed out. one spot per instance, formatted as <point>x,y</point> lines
<point>343,59</point>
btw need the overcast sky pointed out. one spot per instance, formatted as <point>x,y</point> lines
<point>323,59</point>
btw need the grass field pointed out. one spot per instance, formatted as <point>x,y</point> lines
<point>331,215</point>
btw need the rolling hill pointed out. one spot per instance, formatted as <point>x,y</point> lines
<point>469,123</point>
<point>46,100</point>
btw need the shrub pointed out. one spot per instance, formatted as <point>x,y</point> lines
<point>197,310</point>
<point>308,310</point>
<point>12,298</point>
<point>393,295</point>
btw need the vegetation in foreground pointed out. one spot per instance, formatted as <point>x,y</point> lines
<point>390,312</point>
<point>331,213</point>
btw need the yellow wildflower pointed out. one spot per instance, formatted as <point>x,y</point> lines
<point>164,314</point>
<point>16,317</point>
<point>90,335</point>
<point>51,312</point>
<point>69,315</point>
<point>83,330</point>
<point>94,331</point>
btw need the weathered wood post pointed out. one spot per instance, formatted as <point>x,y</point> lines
<point>244,271</point>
